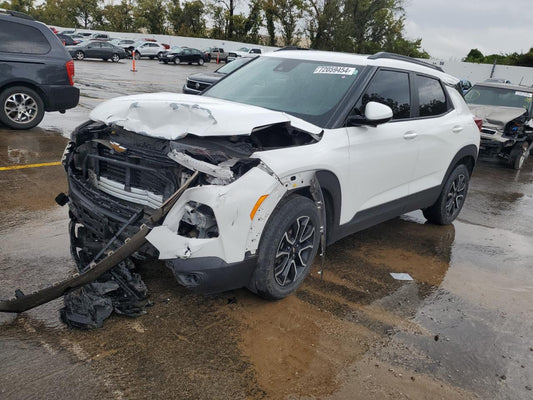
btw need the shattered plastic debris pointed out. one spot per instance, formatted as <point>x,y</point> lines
<point>120,290</point>
<point>401,276</point>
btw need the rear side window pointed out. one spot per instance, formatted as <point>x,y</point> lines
<point>19,38</point>
<point>390,88</point>
<point>431,97</point>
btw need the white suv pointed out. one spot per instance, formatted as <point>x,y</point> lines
<point>291,152</point>
<point>149,49</point>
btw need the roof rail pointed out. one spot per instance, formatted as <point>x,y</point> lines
<point>291,48</point>
<point>17,14</point>
<point>394,56</point>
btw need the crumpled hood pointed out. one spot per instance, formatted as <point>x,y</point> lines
<point>172,116</point>
<point>496,116</point>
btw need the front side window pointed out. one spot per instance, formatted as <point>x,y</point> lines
<point>390,88</point>
<point>19,38</point>
<point>307,89</point>
<point>431,97</point>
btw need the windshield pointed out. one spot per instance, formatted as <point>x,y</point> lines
<point>245,49</point>
<point>232,66</point>
<point>493,96</point>
<point>176,49</point>
<point>307,89</point>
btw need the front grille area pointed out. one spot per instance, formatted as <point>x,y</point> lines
<point>488,131</point>
<point>197,85</point>
<point>157,180</point>
<point>113,174</point>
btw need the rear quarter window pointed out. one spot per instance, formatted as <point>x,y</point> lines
<point>24,39</point>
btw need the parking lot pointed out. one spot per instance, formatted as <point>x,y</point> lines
<point>461,329</point>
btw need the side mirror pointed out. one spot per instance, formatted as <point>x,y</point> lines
<point>375,114</point>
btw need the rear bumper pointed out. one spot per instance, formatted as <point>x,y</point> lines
<point>212,274</point>
<point>60,97</point>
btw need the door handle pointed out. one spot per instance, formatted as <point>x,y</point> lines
<point>410,135</point>
<point>457,129</point>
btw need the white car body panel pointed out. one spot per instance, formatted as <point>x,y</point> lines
<point>172,116</point>
<point>231,205</point>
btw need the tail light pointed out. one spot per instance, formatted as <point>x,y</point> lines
<point>479,122</point>
<point>70,71</point>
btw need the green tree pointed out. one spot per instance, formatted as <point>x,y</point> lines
<point>25,6</point>
<point>323,17</point>
<point>218,16</point>
<point>474,56</point>
<point>58,12</point>
<point>119,18</point>
<point>174,14</point>
<point>289,13</point>
<point>192,21</point>
<point>270,10</point>
<point>150,15</point>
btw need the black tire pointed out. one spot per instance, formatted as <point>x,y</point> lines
<point>451,199</point>
<point>137,55</point>
<point>115,58</point>
<point>176,60</point>
<point>288,246</point>
<point>80,55</point>
<point>159,55</point>
<point>200,61</point>
<point>21,107</point>
<point>518,155</point>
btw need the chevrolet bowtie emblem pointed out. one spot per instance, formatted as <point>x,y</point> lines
<point>117,147</point>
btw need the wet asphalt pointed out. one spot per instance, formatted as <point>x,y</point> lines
<point>461,329</point>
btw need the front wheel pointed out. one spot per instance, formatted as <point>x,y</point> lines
<point>518,155</point>
<point>200,61</point>
<point>115,58</point>
<point>137,55</point>
<point>176,60</point>
<point>21,107</point>
<point>451,199</point>
<point>287,248</point>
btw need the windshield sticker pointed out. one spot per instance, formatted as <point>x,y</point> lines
<point>336,70</point>
<point>524,94</point>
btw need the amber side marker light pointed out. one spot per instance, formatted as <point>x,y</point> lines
<point>257,205</point>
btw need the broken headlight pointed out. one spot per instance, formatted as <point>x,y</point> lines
<point>198,221</point>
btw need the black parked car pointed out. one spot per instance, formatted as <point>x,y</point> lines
<point>36,72</point>
<point>97,49</point>
<point>183,54</point>
<point>67,40</point>
<point>197,83</point>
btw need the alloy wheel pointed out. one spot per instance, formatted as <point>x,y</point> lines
<point>294,251</point>
<point>456,195</point>
<point>21,108</point>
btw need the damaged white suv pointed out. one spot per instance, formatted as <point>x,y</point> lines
<point>293,151</point>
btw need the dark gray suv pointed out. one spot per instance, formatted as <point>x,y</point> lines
<point>36,72</point>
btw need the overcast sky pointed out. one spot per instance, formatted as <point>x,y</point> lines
<point>450,28</point>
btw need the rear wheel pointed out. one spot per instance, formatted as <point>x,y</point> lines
<point>80,55</point>
<point>21,107</point>
<point>177,60</point>
<point>451,199</point>
<point>518,155</point>
<point>287,248</point>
